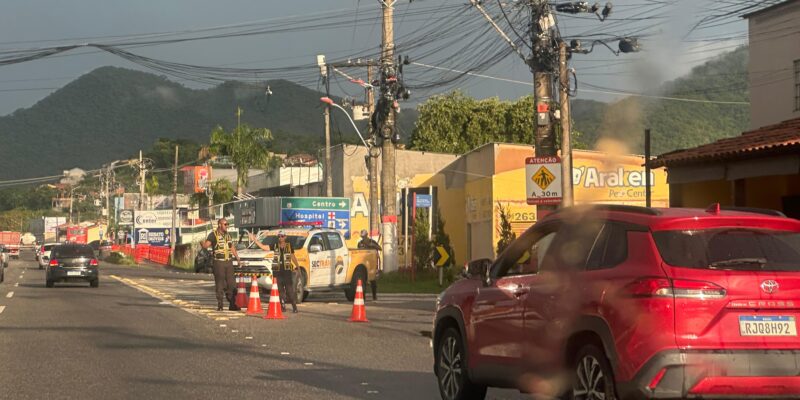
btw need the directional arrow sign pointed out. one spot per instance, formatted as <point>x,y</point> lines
<point>441,257</point>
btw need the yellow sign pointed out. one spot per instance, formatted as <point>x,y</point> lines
<point>543,178</point>
<point>441,256</point>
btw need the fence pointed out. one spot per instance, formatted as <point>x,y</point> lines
<point>142,252</point>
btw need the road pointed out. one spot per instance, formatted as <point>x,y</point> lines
<point>147,332</point>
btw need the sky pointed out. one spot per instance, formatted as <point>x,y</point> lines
<point>663,25</point>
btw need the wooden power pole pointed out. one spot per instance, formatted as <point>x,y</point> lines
<point>388,111</point>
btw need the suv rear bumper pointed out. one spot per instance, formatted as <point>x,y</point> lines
<point>717,374</point>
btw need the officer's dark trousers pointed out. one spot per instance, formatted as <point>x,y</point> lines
<point>224,281</point>
<point>286,287</point>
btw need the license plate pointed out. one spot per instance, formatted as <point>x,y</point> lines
<point>73,273</point>
<point>752,325</point>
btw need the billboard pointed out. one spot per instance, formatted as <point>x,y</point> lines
<point>125,217</point>
<point>152,219</point>
<point>196,178</point>
<point>153,236</point>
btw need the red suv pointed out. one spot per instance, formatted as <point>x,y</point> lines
<point>621,302</point>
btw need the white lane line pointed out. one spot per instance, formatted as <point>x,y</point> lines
<point>2,308</point>
<point>16,284</point>
<point>10,295</point>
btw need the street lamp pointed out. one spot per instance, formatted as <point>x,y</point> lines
<point>328,101</point>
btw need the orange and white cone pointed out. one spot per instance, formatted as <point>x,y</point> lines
<point>241,293</point>
<point>254,303</point>
<point>274,311</point>
<point>359,309</point>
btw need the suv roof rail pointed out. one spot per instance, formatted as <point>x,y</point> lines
<point>618,208</point>
<point>755,210</point>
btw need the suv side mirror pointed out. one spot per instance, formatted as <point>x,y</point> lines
<point>314,248</point>
<point>478,268</point>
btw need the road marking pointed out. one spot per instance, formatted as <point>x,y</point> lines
<point>263,345</point>
<point>285,353</point>
<point>248,338</point>
<point>10,295</point>
<point>308,363</point>
<point>16,284</point>
<point>222,325</point>
<point>2,308</point>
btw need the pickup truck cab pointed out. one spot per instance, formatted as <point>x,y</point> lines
<point>325,261</point>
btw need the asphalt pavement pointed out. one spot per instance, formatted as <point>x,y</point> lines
<point>150,332</point>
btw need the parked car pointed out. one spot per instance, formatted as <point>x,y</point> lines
<point>44,254</point>
<point>629,303</point>
<point>72,262</point>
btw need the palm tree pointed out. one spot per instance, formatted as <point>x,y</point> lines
<point>247,148</point>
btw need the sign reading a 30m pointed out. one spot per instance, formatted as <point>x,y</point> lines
<point>543,180</point>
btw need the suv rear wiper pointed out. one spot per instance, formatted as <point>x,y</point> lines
<point>738,261</point>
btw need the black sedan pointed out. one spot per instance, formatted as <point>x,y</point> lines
<point>71,263</point>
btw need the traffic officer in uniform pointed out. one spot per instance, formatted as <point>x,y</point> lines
<point>283,269</point>
<point>367,242</point>
<point>223,251</point>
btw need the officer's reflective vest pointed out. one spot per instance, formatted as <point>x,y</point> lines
<point>222,248</point>
<point>284,258</point>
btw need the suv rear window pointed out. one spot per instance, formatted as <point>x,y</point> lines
<point>731,248</point>
<point>72,252</point>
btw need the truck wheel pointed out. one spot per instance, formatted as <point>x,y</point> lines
<point>350,292</point>
<point>300,287</point>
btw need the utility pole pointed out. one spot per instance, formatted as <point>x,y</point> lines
<point>374,153</point>
<point>387,110</point>
<point>71,200</point>
<point>142,175</point>
<point>174,235</point>
<point>323,69</point>
<point>566,127</point>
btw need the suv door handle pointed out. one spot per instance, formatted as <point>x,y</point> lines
<point>520,290</point>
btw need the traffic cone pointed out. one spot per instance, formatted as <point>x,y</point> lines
<point>359,309</point>
<point>274,310</point>
<point>254,304</point>
<point>241,293</point>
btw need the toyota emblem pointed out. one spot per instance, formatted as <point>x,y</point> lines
<point>769,286</point>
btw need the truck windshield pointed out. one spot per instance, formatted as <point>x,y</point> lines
<point>272,241</point>
<point>731,248</point>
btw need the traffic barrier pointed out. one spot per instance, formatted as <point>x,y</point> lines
<point>141,253</point>
<point>241,292</point>
<point>254,303</point>
<point>159,255</point>
<point>359,313</point>
<point>274,311</point>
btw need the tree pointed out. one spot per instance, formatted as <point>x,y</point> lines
<point>423,247</point>
<point>222,193</point>
<point>506,234</point>
<point>456,123</point>
<point>247,148</point>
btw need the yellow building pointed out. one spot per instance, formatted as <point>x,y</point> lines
<point>470,192</point>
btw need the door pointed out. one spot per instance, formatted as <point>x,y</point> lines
<point>320,261</point>
<point>497,314</point>
<point>554,297</point>
<point>339,257</point>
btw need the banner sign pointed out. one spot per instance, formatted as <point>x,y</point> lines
<point>153,236</point>
<point>152,219</point>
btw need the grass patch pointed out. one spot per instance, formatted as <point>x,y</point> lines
<point>119,259</point>
<point>184,264</point>
<point>400,282</point>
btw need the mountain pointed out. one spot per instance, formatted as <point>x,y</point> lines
<point>112,113</point>
<point>675,124</point>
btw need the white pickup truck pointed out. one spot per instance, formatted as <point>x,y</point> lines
<point>325,262</point>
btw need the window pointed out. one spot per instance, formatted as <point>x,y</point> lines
<point>526,254</point>
<point>72,252</point>
<point>317,239</point>
<point>610,249</point>
<point>573,244</point>
<point>334,240</point>
<point>797,85</point>
<point>731,248</point>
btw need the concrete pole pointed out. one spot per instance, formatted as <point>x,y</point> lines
<point>374,154</point>
<point>566,127</point>
<point>141,182</point>
<point>388,175</point>
<point>328,162</point>
<point>174,235</point>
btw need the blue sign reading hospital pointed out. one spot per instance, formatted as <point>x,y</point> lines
<point>333,218</point>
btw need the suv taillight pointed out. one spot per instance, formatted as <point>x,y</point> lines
<point>53,263</point>
<point>93,263</point>
<point>678,288</point>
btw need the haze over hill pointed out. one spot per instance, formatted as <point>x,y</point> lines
<point>111,113</point>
